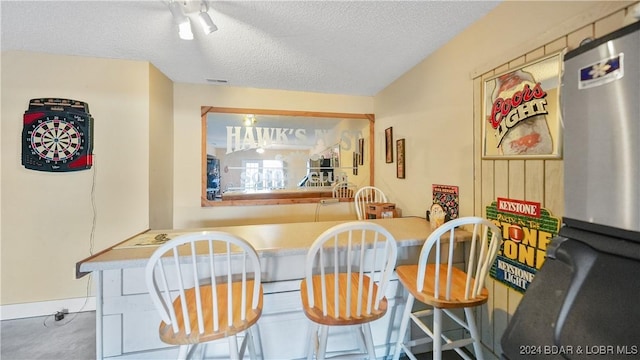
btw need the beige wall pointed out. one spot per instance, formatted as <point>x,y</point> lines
<point>432,106</point>
<point>161,150</point>
<point>47,217</point>
<point>187,155</point>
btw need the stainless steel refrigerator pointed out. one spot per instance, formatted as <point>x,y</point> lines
<point>584,303</point>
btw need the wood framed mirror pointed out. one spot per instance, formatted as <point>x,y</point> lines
<point>260,157</point>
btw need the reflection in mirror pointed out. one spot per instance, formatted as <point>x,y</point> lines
<point>275,157</point>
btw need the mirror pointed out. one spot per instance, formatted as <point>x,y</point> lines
<point>257,156</point>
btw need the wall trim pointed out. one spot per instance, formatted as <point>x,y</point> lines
<point>43,308</point>
<point>572,24</point>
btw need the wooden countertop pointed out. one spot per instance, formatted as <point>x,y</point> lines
<point>269,240</point>
<point>305,192</point>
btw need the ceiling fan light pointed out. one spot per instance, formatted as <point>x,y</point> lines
<point>184,30</point>
<point>180,19</point>
<point>207,24</point>
<point>249,120</point>
<point>178,12</point>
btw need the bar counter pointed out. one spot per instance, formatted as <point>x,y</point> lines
<point>127,323</point>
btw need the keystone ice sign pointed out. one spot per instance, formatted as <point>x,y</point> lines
<point>527,230</point>
<point>519,207</point>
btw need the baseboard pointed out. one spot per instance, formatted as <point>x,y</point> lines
<point>42,308</point>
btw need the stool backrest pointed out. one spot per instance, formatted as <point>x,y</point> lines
<point>366,195</point>
<point>350,256</point>
<point>479,258</point>
<point>344,189</point>
<point>194,266</point>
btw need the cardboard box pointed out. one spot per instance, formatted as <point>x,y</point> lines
<point>380,211</point>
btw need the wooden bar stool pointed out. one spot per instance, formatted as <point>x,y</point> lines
<point>367,195</point>
<point>216,277</point>
<point>347,271</point>
<point>344,190</point>
<point>444,287</point>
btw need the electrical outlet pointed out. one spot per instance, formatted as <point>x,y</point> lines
<point>329,201</point>
<point>59,316</point>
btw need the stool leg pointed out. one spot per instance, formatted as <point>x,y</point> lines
<point>203,350</point>
<point>251,344</point>
<point>437,334</point>
<point>183,351</point>
<point>196,351</point>
<point>368,338</point>
<point>233,347</point>
<point>312,340</point>
<point>475,334</point>
<point>404,325</point>
<point>322,347</point>
<point>362,343</point>
<point>255,331</point>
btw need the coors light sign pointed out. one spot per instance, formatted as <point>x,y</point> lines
<point>518,115</point>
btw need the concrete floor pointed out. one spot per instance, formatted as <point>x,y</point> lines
<point>43,338</point>
<point>72,338</point>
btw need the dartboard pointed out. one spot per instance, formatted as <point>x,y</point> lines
<point>55,139</point>
<point>57,135</point>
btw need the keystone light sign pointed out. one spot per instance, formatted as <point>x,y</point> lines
<point>521,113</point>
<point>527,230</point>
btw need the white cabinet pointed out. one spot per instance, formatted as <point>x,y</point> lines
<point>130,322</point>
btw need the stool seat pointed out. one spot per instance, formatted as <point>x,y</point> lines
<point>408,276</point>
<point>315,313</point>
<point>237,324</point>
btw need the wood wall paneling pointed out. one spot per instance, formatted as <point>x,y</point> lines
<point>517,190</point>
<point>609,23</point>
<point>575,38</point>
<point>555,46</point>
<point>486,194</point>
<point>501,178</point>
<point>516,179</point>
<point>500,291</point>
<point>535,54</point>
<point>532,180</point>
<point>517,62</point>
<point>554,187</point>
<point>484,188</point>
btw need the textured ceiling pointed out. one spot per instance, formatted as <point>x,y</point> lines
<point>350,47</point>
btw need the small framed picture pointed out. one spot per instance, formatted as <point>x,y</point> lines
<point>355,163</point>
<point>400,158</point>
<point>388,144</point>
<point>361,150</point>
